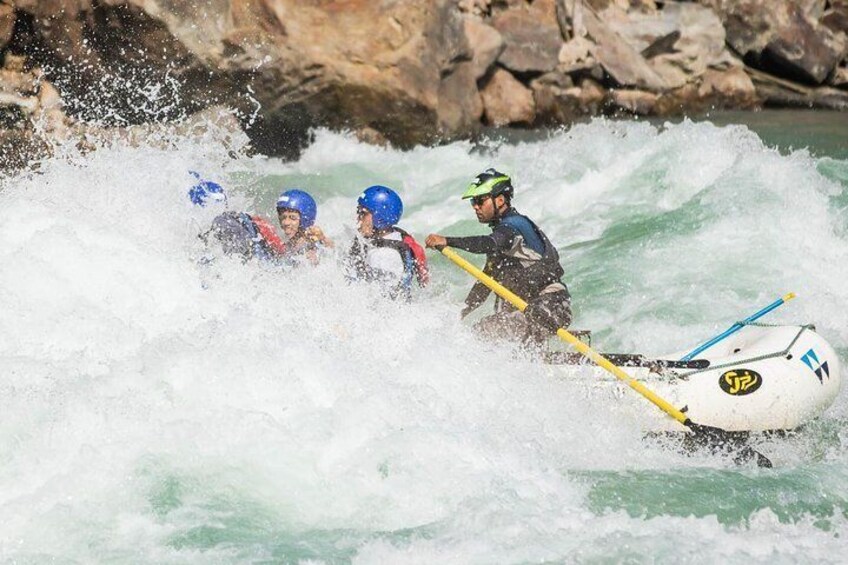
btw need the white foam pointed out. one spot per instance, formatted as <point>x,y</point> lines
<point>297,402</point>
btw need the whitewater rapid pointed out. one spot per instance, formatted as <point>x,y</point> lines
<point>156,409</point>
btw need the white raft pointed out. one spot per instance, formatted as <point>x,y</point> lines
<point>758,379</point>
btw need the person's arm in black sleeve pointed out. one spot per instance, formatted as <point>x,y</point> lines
<point>500,239</point>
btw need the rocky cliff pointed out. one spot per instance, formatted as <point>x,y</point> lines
<point>406,71</point>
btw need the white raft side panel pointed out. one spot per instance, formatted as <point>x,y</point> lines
<point>790,393</point>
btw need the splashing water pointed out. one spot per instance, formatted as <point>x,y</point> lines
<point>158,410</point>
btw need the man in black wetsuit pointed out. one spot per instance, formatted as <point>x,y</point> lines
<point>520,257</point>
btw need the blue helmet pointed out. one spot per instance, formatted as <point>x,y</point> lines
<point>206,191</point>
<point>299,201</point>
<point>384,204</point>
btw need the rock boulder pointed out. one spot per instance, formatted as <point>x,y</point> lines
<point>559,101</point>
<point>532,46</point>
<point>507,101</point>
<point>7,23</point>
<point>778,36</point>
<point>681,41</point>
<point>635,101</point>
<point>619,58</point>
<point>486,45</point>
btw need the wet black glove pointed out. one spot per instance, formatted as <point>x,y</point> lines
<point>540,315</point>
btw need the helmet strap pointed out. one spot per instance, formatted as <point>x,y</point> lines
<point>383,231</point>
<point>497,214</point>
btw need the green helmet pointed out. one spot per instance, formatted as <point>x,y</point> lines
<point>489,182</point>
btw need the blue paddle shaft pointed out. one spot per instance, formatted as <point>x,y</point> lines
<point>736,327</point>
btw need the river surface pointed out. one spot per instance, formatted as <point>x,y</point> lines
<point>154,409</point>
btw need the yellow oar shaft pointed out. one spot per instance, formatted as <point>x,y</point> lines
<point>593,355</point>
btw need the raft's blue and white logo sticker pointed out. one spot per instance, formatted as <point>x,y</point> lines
<point>818,367</point>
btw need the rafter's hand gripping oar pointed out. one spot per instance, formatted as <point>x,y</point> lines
<point>709,433</point>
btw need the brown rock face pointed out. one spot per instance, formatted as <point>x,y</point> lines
<point>114,62</point>
<point>486,45</point>
<point>635,101</point>
<point>836,18</point>
<point>532,46</point>
<point>559,101</point>
<point>787,93</point>
<point>31,115</point>
<point>576,55</point>
<point>715,89</point>
<point>620,59</point>
<point>680,42</point>
<point>840,77</point>
<point>732,88</point>
<point>507,101</point>
<point>475,7</point>
<point>409,71</point>
<point>460,104</point>
<point>777,35</point>
<point>397,68</point>
<point>401,68</point>
<point>7,23</point>
<point>551,108</point>
<point>808,52</point>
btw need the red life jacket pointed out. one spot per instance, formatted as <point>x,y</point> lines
<point>422,272</point>
<point>266,230</point>
<point>411,254</point>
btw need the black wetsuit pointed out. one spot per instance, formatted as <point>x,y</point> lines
<point>520,257</point>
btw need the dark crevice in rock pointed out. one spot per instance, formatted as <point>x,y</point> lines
<point>527,77</point>
<point>28,43</point>
<point>285,134</point>
<point>662,45</point>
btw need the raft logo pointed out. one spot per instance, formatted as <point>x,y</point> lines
<point>818,367</point>
<point>740,382</point>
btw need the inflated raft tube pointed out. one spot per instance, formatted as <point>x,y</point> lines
<point>762,378</point>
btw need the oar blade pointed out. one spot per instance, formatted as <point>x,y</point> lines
<point>734,443</point>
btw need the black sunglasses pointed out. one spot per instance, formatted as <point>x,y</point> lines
<point>480,200</point>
